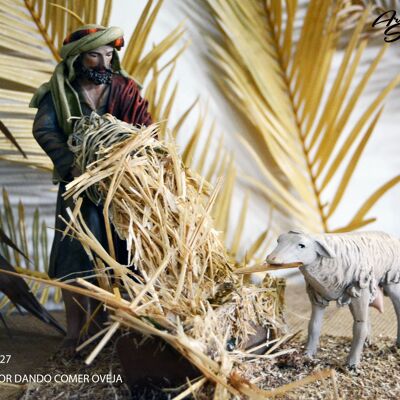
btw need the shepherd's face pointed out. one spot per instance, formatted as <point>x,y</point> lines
<point>95,65</point>
<point>98,59</point>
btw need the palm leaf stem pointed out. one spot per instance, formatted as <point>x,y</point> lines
<point>313,181</point>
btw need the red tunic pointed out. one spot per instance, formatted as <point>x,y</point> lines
<point>126,103</point>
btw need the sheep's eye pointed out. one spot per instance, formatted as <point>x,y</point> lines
<point>301,245</point>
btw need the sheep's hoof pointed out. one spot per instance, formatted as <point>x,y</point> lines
<point>368,341</point>
<point>309,358</point>
<point>352,366</point>
<point>310,353</point>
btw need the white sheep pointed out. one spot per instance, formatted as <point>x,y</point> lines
<point>350,268</point>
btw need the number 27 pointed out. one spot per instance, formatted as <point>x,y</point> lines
<point>5,358</point>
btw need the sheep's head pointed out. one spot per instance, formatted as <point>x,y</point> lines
<point>297,247</point>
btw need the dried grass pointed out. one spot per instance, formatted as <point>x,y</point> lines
<point>179,283</point>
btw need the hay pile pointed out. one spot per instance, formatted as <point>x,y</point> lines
<point>179,282</point>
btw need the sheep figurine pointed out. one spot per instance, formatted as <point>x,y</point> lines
<point>350,268</point>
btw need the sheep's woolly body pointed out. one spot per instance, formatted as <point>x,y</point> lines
<point>348,268</point>
<point>363,259</point>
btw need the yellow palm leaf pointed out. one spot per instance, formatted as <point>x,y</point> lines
<point>279,81</point>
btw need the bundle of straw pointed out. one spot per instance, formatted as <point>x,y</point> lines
<point>179,282</point>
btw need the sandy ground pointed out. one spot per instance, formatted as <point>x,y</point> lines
<point>33,343</point>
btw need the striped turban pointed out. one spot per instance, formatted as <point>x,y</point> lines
<point>65,98</point>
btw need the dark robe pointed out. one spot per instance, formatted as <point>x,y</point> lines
<point>68,259</point>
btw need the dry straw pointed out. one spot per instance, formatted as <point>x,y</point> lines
<point>179,283</point>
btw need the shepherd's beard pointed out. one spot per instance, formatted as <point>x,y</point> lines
<point>93,74</point>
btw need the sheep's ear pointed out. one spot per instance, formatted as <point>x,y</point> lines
<point>324,250</point>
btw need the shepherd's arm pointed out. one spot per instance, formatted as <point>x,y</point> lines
<point>52,139</point>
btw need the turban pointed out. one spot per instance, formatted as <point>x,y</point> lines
<point>65,98</point>
<point>89,37</point>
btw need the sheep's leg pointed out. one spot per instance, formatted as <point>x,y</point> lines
<point>368,340</point>
<point>359,310</point>
<point>314,329</point>
<point>393,291</point>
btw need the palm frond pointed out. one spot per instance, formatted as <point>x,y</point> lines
<point>106,13</point>
<point>240,226</point>
<point>34,256</point>
<point>265,69</point>
<point>354,8</point>
<point>11,138</point>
